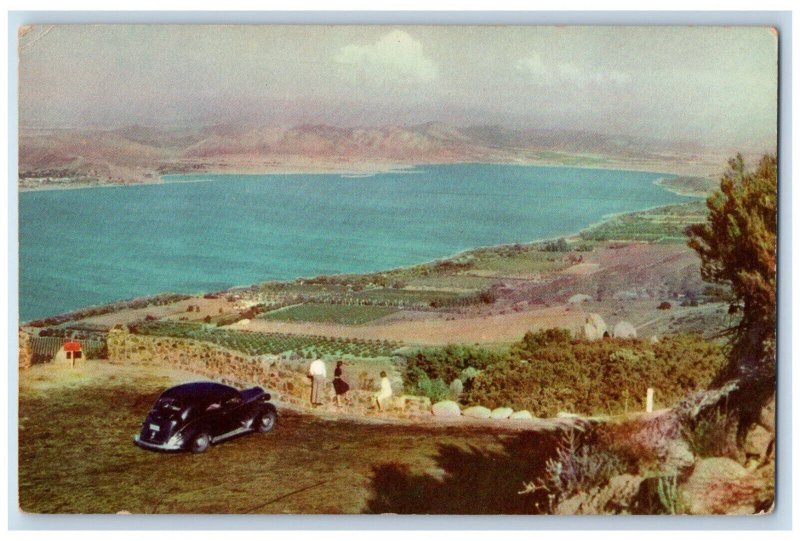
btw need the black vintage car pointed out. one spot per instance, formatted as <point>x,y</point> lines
<point>192,416</point>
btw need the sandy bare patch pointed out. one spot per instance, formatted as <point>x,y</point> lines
<point>480,329</point>
<point>208,307</point>
<point>42,378</point>
<point>582,269</point>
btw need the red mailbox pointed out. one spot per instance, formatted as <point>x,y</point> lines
<point>73,350</point>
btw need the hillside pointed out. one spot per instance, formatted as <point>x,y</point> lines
<point>50,157</point>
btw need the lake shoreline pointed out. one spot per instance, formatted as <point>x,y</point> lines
<point>572,235</point>
<point>373,168</point>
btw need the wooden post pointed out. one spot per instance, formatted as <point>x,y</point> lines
<point>649,407</point>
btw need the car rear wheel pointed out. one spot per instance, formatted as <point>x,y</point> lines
<point>201,442</point>
<point>266,421</point>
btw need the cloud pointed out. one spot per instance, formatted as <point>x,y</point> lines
<point>567,73</point>
<point>395,57</point>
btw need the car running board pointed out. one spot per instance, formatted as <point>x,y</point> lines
<point>231,434</point>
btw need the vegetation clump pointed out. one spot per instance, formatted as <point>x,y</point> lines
<point>429,371</point>
<point>738,249</point>
<point>548,372</point>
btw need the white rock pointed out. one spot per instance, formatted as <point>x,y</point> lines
<point>624,329</point>
<point>757,441</point>
<point>594,327</point>
<point>446,408</point>
<point>579,298</point>
<point>524,414</point>
<point>477,412</point>
<point>501,413</point>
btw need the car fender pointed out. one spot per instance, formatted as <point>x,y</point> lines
<point>190,430</point>
<point>268,406</point>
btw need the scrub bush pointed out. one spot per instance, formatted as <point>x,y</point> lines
<point>546,373</point>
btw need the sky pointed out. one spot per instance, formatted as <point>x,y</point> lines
<point>716,85</point>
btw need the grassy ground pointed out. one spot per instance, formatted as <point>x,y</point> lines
<point>406,297</point>
<point>663,224</point>
<point>331,313</point>
<point>516,262</point>
<point>76,456</point>
<point>459,282</point>
<point>691,185</point>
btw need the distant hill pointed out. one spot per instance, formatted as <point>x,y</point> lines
<point>142,154</point>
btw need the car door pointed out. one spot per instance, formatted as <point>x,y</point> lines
<point>213,418</point>
<point>232,413</point>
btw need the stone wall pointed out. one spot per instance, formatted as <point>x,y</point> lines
<point>25,350</point>
<point>285,378</point>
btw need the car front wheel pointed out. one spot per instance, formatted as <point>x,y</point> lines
<point>201,442</point>
<point>266,421</point>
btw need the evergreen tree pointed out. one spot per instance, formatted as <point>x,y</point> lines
<point>738,247</point>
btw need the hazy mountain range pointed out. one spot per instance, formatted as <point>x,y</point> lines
<point>142,154</point>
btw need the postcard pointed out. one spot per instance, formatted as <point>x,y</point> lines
<point>471,270</point>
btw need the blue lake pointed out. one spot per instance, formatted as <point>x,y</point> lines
<point>204,233</point>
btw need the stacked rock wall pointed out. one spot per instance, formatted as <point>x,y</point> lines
<point>25,350</point>
<point>285,378</point>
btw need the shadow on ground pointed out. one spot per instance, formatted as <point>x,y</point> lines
<point>468,480</point>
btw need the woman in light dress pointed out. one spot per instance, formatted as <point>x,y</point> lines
<point>385,393</point>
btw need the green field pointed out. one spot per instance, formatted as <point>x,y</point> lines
<point>522,260</point>
<point>411,298</point>
<point>343,314</point>
<point>462,282</point>
<point>663,224</point>
<point>691,185</point>
<point>255,343</point>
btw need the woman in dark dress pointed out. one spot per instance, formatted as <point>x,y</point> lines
<point>339,385</point>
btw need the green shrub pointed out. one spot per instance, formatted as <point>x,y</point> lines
<point>449,362</point>
<point>576,467</point>
<point>546,373</point>
<point>535,340</point>
<point>712,434</point>
<point>435,389</point>
<point>670,497</point>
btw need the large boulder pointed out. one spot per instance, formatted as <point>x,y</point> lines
<point>521,415</point>
<point>595,327</point>
<point>624,329</point>
<point>502,413</point>
<point>617,496</point>
<point>25,349</point>
<point>446,408</point>
<point>758,442</point>
<point>656,439</point>
<point>579,298</point>
<point>477,412</point>
<point>721,486</point>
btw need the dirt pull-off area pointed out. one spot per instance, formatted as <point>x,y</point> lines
<point>76,456</point>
